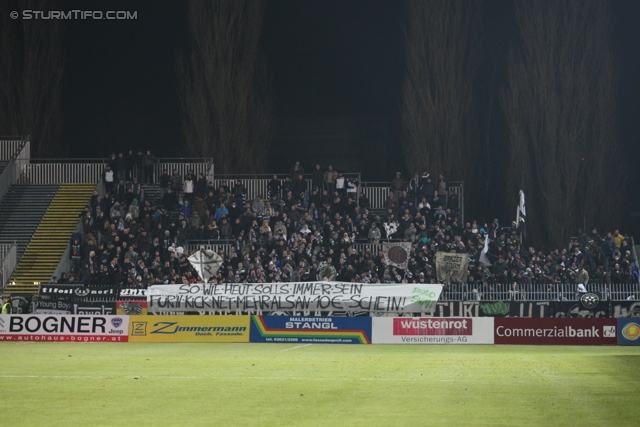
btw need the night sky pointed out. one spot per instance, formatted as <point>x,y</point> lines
<point>326,58</point>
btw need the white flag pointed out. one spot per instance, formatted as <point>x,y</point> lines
<point>483,255</point>
<point>207,263</point>
<point>390,228</point>
<point>521,214</point>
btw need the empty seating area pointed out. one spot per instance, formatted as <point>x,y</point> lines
<point>21,210</point>
<point>51,238</point>
<point>3,165</point>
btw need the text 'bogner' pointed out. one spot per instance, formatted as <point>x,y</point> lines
<point>81,324</point>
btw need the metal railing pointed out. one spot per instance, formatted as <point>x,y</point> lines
<point>258,184</point>
<point>537,292</point>
<point>7,177</point>
<point>9,147</point>
<point>227,246</point>
<point>15,167</point>
<point>9,257</point>
<point>183,166</point>
<point>368,247</point>
<point>377,192</point>
<point>218,246</point>
<point>46,171</point>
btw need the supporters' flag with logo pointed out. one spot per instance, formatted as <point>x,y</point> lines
<point>452,267</point>
<point>521,216</point>
<point>390,228</point>
<point>207,263</point>
<point>396,254</point>
<point>483,255</point>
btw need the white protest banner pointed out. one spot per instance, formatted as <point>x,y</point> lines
<point>294,296</point>
<point>451,267</point>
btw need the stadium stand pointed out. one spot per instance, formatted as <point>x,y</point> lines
<point>283,229</point>
<point>290,237</point>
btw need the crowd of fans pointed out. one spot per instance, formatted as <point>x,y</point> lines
<point>297,230</point>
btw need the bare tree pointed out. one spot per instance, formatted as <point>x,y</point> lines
<point>560,109</point>
<point>227,109</point>
<point>441,57</point>
<point>31,79</point>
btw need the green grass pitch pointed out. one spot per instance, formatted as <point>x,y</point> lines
<point>62,384</point>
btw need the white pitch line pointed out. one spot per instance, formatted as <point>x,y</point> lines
<point>166,377</point>
<point>147,377</point>
<point>293,348</point>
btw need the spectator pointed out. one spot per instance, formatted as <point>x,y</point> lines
<point>258,205</point>
<point>239,192</point>
<point>165,182</point>
<point>130,161</point>
<point>416,186</point>
<point>147,163</point>
<point>202,187</point>
<point>442,189</point>
<point>341,186</point>
<point>169,200</point>
<point>618,238</point>
<point>221,211</point>
<point>189,187</point>
<point>275,187</point>
<point>398,186</point>
<point>299,188</point>
<point>76,256</point>
<point>200,207</point>
<point>374,235</point>
<point>176,182</point>
<point>139,165</point>
<point>330,177</point>
<point>296,170</point>
<point>317,179</point>
<point>186,210</point>
<point>7,308</point>
<point>108,177</point>
<point>121,167</point>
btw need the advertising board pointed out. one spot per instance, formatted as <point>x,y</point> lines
<point>628,331</point>
<point>432,330</point>
<point>558,331</point>
<point>189,329</point>
<point>311,329</point>
<point>42,327</point>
